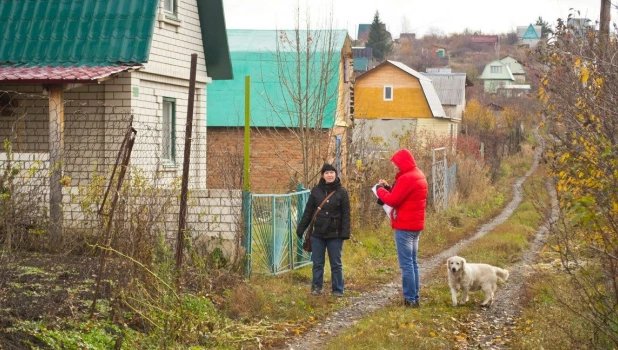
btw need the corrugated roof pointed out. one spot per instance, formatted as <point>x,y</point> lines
<point>59,74</point>
<point>428,89</point>
<point>75,33</point>
<point>450,87</point>
<point>254,53</point>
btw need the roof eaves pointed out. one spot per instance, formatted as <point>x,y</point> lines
<point>214,39</point>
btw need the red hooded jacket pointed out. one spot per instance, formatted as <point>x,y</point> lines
<point>408,196</point>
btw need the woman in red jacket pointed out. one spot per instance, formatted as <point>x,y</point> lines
<point>408,197</point>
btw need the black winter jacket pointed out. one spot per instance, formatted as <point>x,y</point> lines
<point>333,221</point>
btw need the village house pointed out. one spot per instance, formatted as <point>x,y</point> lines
<point>393,99</point>
<point>75,76</point>
<point>278,123</point>
<point>529,35</point>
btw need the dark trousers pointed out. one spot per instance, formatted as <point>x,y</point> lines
<point>318,256</point>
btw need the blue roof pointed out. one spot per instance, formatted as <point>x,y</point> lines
<point>254,53</point>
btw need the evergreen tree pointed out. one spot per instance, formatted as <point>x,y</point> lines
<point>379,39</point>
<point>545,27</point>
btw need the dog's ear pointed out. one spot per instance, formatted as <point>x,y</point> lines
<point>463,262</point>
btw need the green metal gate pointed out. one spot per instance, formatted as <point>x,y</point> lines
<point>272,244</point>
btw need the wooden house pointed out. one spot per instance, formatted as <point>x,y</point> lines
<point>393,98</point>
<point>269,58</point>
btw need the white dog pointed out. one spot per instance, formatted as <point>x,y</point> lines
<point>469,277</point>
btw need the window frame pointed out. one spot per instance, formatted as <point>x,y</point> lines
<point>384,92</point>
<point>168,159</point>
<point>497,70</point>
<point>174,10</point>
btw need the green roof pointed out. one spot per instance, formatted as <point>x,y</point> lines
<point>63,33</point>
<point>75,33</point>
<point>254,53</point>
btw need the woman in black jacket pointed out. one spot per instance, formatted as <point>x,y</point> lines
<point>331,228</point>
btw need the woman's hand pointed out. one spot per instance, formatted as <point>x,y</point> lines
<point>382,182</point>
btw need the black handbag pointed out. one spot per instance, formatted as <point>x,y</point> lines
<point>307,241</point>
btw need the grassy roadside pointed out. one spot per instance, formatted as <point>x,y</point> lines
<point>437,324</point>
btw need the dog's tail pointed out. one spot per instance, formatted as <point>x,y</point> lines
<point>502,274</point>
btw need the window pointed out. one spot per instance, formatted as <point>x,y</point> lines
<point>496,69</point>
<point>168,130</point>
<point>388,93</point>
<point>169,6</point>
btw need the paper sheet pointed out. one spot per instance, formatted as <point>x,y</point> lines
<point>387,208</point>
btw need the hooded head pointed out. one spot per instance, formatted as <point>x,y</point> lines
<point>404,160</point>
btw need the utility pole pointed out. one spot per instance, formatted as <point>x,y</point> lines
<point>605,19</point>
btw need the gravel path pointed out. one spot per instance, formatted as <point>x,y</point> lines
<point>367,303</point>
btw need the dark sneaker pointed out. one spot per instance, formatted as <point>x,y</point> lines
<point>338,294</point>
<point>412,304</point>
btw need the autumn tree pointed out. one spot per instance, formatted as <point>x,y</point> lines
<point>379,39</point>
<point>579,90</point>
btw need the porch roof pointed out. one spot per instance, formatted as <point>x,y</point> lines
<point>60,75</point>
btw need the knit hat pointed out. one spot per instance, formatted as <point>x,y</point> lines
<point>326,167</point>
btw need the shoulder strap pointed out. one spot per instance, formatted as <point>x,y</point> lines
<point>321,204</point>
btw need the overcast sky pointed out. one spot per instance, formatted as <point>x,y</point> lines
<point>422,16</point>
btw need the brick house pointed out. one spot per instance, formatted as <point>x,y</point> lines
<point>75,72</point>
<point>276,156</point>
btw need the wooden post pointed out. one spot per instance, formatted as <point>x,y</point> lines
<point>56,152</point>
<point>182,219</point>
<point>604,21</point>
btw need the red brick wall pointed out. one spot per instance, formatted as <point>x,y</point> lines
<point>275,159</point>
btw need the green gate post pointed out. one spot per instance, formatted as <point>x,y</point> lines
<point>300,208</point>
<point>247,238</point>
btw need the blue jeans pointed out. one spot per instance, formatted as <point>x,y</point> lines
<point>407,249</point>
<point>318,256</point>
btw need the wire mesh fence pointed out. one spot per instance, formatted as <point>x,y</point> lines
<point>274,246</point>
<point>71,147</point>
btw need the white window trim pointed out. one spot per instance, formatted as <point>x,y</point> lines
<point>169,163</point>
<point>384,92</point>
<point>174,11</point>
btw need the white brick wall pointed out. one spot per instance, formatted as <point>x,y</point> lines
<point>98,112</point>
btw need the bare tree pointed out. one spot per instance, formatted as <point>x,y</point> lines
<point>305,106</point>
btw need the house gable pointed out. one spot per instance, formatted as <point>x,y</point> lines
<point>408,98</point>
<point>513,64</point>
<point>496,70</point>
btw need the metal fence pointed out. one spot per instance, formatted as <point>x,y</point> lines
<point>272,244</point>
<point>443,179</point>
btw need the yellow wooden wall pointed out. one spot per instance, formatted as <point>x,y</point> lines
<point>408,98</point>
